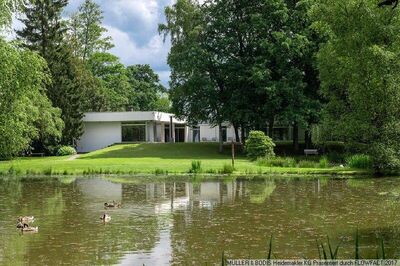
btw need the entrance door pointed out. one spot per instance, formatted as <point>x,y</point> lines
<point>179,134</point>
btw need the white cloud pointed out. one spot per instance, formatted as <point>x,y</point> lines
<point>164,77</point>
<point>154,52</point>
<point>140,10</point>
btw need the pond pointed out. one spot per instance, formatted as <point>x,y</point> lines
<point>194,222</point>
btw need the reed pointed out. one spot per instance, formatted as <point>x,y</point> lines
<point>196,167</point>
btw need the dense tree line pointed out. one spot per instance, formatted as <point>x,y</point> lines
<point>246,62</point>
<point>60,68</point>
<point>255,62</point>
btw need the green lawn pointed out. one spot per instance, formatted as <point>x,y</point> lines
<point>149,158</point>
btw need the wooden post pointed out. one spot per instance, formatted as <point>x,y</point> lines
<point>233,154</point>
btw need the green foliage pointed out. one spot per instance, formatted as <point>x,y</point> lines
<point>360,161</point>
<point>7,8</point>
<point>336,157</point>
<point>196,167</point>
<point>66,150</point>
<point>307,164</point>
<point>113,79</point>
<point>26,114</point>
<point>227,169</point>
<point>85,32</point>
<point>270,249</point>
<point>323,162</point>
<point>334,146</point>
<point>326,252</point>
<point>159,171</point>
<point>146,88</point>
<point>277,162</point>
<point>261,71</point>
<point>359,67</point>
<point>259,145</point>
<point>44,32</point>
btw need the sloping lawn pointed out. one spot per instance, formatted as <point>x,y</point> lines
<point>149,158</point>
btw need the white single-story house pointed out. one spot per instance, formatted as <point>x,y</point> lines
<point>103,129</point>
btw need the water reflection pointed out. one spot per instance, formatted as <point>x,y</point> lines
<point>193,222</point>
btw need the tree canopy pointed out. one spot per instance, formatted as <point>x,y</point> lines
<point>359,68</point>
<point>26,114</point>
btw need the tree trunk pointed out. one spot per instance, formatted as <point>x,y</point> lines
<point>271,123</point>
<point>235,127</point>
<point>243,136</point>
<point>296,137</point>
<point>307,139</point>
<point>221,142</point>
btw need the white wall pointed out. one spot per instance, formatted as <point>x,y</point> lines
<point>98,135</point>
<point>209,133</point>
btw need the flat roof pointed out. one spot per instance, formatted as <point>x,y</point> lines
<point>130,116</point>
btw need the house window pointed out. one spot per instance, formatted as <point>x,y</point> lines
<point>196,134</point>
<point>133,132</point>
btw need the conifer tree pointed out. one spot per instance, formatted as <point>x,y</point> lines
<point>44,32</point>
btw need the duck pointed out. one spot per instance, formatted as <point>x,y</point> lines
<point>21,225</point>
<point>26,228</point>
<point>113,204</point>
<point>105,218</point>
<point>26,219</point>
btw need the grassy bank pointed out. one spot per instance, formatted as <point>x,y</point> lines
<point>166,158</point>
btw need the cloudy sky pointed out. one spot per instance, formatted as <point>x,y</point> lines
<point>133,26</point>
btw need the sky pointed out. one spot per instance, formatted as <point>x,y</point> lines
<point>133,26</point>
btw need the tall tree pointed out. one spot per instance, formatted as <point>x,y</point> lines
<point>26,114</point>
<point>145,86</point>
<point>44,32</point>
<point>359,71</point>
<point>196,88</point>
<point>305,100</point>
<point>86,33</point>
<point>113,79</point>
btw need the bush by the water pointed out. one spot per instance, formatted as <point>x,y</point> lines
<point>196,167</point>
<point>259,145</point>
<point>323,162</point>
<point>66,150</point>
<point>227,169</point>
<point>360,161</point>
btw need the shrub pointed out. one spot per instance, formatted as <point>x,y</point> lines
<point>360,161</point>
<point>227,169</point>
<point>196,167</point>
<point>323,162</point>
<point>259,145</point>
<point>14,171</point>
<point>48,171</point>
<point>66,150</point>
<point>277,162</point>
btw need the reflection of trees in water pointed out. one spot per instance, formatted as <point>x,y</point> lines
<point>11,243</point>
<point>296,213</point>
<point>259,192</point>
<point>207,218</point>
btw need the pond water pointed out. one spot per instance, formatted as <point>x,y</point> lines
<point>194,222</point>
